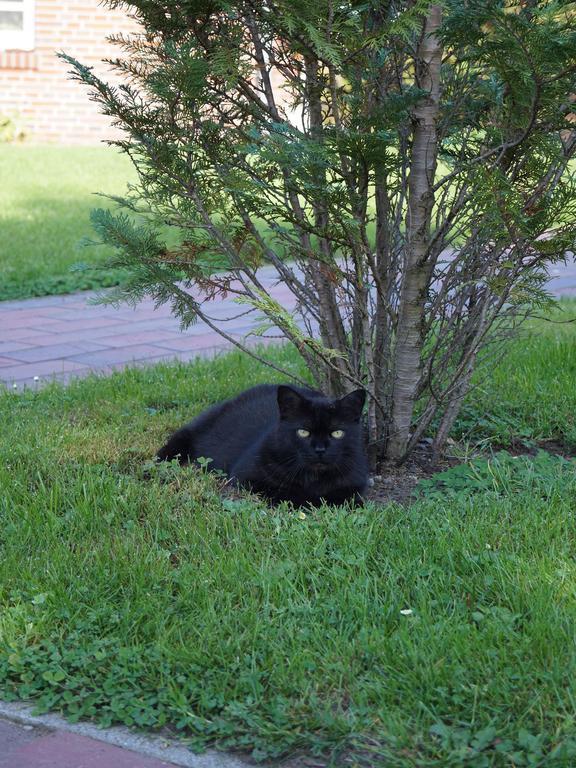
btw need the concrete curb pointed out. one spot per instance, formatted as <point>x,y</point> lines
<point>168,750</point>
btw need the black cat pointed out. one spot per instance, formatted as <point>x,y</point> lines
<point>286,443</point>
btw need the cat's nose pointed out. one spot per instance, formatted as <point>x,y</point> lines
<point>320,450</point>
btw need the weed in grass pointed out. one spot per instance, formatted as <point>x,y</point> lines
<point>501,474</point>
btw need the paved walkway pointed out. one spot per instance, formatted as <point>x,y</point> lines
<point>59,337</point>
<point>29,747</point>
<point>48,741</point>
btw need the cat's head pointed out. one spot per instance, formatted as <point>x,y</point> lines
<point>321,431</point>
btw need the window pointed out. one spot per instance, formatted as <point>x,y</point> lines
<point>17,25</point>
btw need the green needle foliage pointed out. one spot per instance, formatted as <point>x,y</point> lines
<point>404,166</point>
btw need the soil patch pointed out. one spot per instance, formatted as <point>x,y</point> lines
<point>393,483</point>
<point>397,483</point>
<point>555,447</point>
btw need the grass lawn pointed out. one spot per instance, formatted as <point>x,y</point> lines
<point>531,395</point>
<point>45,201</point>
<point>141,597</point>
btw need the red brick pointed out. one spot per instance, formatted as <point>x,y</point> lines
<point>126,354</point>
<point>42,370</point>
<point>70,750</point>
<point>12,346</point>
<point>55,326</point>
<point>19,334</point>
<point>55,351</point>
<point>196,342</point>
<point>162,338</point>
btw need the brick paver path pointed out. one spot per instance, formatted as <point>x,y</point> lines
<point>25,747</point>
<point>62,336</point>
<point>57,337</point>
<point>31,747</point>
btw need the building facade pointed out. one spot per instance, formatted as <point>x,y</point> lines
<point>35,89</point>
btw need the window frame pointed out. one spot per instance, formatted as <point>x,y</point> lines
<point>18,39</point>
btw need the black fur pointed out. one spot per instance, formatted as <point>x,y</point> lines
<point>253,439</point>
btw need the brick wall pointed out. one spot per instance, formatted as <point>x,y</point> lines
<point>35,84</point>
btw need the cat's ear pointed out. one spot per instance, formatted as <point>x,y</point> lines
<point>351,405</point>
<point>290,402</point>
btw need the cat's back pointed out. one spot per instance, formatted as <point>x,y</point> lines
<point>228,428</point>
<point>257,406</point>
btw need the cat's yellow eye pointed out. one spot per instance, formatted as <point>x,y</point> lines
<point>338,433</point>
<point>302,433</point>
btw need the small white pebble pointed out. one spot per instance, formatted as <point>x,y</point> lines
<point>36,378</point>
<point>406,611</point>
<point>14,386</point>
